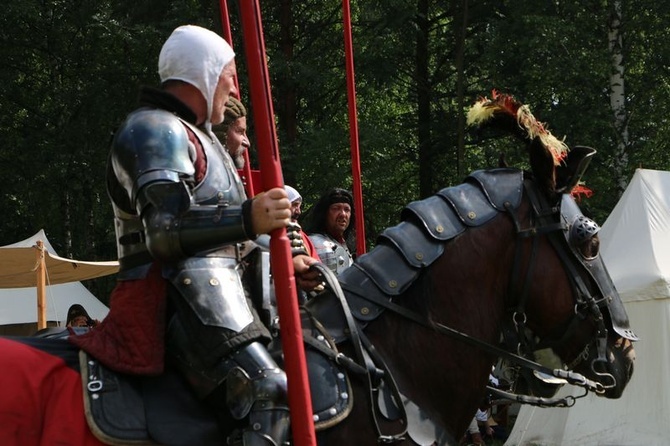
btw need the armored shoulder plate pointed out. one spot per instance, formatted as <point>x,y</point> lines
<point>150,145</point>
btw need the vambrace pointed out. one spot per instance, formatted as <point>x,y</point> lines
<point>176,227</point>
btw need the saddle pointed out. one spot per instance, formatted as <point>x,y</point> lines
<point>127,409</point>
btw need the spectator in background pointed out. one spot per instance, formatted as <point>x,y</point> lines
<point>78,317</point>
<point>331,229</point>
<point>296,210</point>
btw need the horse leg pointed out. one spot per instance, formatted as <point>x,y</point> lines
<point>41,400</point>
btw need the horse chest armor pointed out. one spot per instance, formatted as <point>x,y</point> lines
<point>403,251</point>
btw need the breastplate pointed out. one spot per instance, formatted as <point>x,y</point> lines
<point>221,184</point>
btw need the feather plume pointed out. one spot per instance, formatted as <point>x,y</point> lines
<point>503,110</point>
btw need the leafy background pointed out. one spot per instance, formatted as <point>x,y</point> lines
<point>71,71</point>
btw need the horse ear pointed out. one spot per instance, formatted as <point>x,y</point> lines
<point>542,165</point>
<point>570,172</point>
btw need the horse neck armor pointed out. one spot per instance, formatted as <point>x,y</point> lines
<point>403,251</point>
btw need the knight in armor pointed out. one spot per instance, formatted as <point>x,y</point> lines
<point>183,223</point>
<point>331,229</point>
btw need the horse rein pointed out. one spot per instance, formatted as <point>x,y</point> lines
<point>584,297</point>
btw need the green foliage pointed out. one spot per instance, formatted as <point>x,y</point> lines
<point>71,70</point>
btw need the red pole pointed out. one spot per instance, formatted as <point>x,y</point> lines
<point>353,130</point>
<point>228,35</point>
<point>300,402</point>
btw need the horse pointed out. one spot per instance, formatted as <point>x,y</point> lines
<point>504,263</point>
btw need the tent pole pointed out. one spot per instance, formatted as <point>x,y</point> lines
<point>41,285</point>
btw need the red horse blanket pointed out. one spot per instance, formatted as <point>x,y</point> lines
<point>41,397</point>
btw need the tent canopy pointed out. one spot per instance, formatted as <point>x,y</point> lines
<point>635,238</point>
<point>18,265</point>
<point>18,281</point>
<point>635,245</point>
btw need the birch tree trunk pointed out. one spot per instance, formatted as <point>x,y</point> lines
<point>618,97</point>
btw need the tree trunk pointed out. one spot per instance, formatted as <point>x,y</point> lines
<point>460,86</point>
<point>288,98</point>
<point>423,100</point>
<point>618,97</point>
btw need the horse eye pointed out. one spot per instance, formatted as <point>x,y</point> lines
<point>584,236</point>
<point>590,247</point>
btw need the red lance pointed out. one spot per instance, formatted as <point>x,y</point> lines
<point>246,173</point>
<point>302,423</point>
<point>353,130</point>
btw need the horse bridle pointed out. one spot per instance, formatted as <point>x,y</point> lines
<point>550,221</point>
<point>545,220</point>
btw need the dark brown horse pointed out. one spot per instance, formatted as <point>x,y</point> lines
<point>498,254</point>
<point>489,276</point>
<point>507,252</point>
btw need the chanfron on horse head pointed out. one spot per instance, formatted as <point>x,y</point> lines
<point>400,345</point>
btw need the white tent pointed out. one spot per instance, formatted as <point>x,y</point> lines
<point>19,284</point>
<point>635,244</point>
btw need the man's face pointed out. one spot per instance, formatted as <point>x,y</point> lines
<point>79,321</point>
<point>237,141</point>
<point>296,209</point>
<point>224,88</point>
<point>337,220</point>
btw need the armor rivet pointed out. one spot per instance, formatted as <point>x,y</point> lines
<point>332,411</point>
<point>256,426</point>
<point>340,375</point>
<point>320,338</point>
<point>316,418</point>
<point>344,395</point>
<point>393,283</point>
<point>91,363</point>
<point>219,195</point>
<point>213,282</point>
<point>472,215</point>
<point>95,396</point>
<point>439,229</point>
<point>187,281</point>
<point>365,310</point>
<point>419,256</point>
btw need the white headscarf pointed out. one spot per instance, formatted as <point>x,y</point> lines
<point>293,194</point>
<point>195,55</point>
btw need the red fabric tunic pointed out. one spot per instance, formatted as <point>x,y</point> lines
<point>41,399</point>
